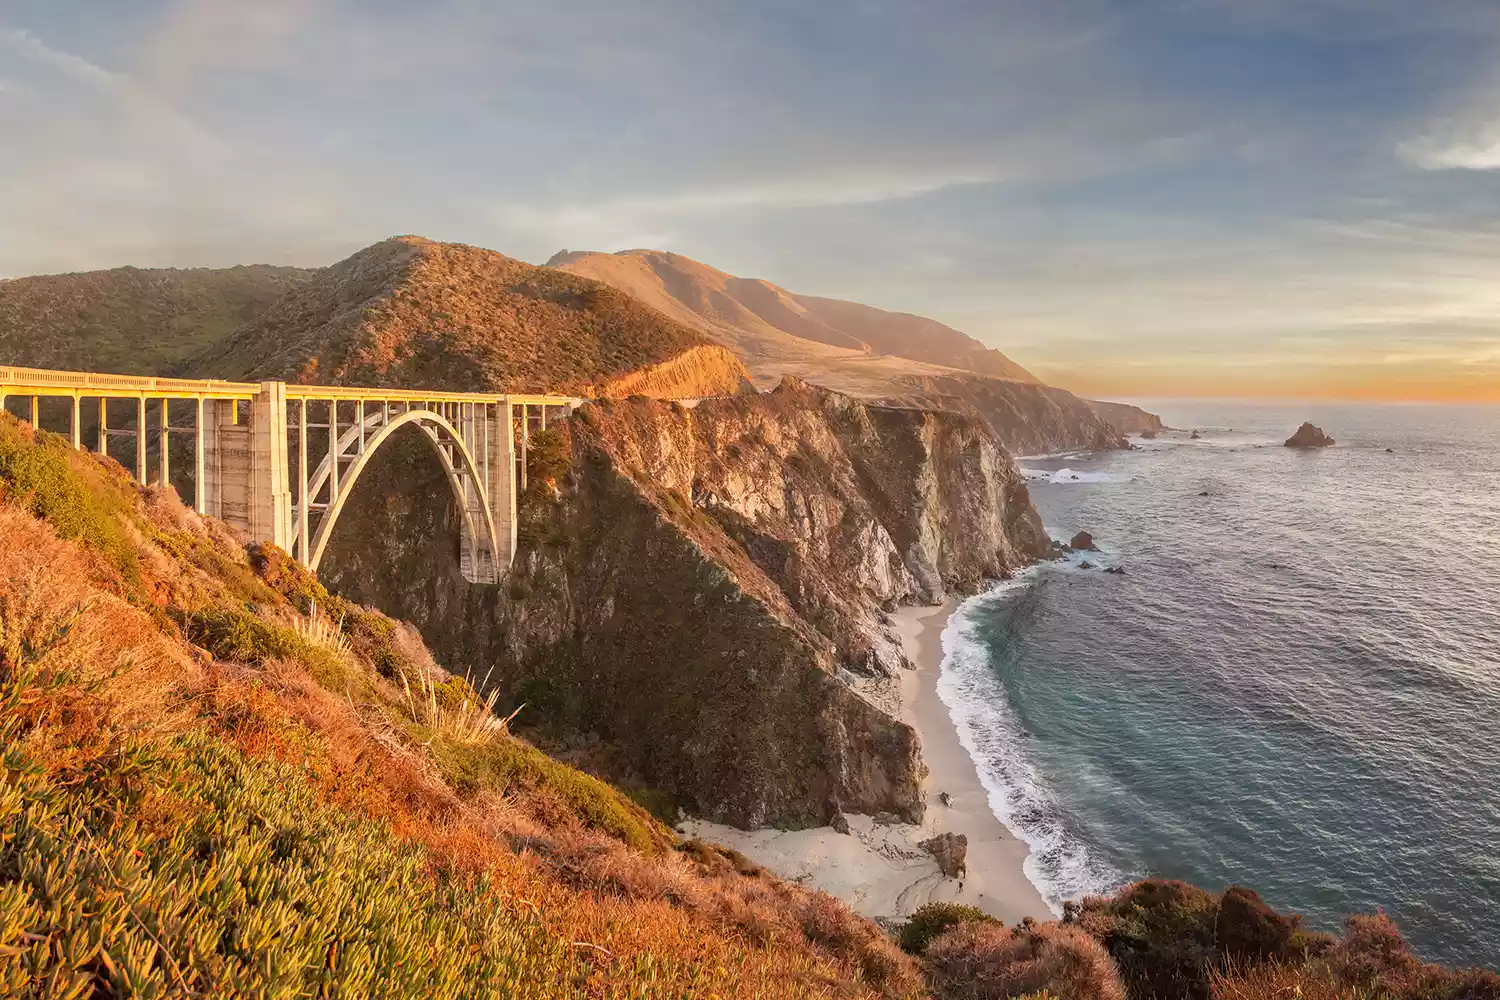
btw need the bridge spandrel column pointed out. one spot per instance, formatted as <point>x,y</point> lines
<point>500,446</point>
<point>226,464</point>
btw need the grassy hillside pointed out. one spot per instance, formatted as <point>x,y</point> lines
<point>772,327</point>
<point>221,781</point>
<point>130,320</point>
<point>411,312</point>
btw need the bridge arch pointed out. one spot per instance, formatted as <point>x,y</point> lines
<point>460,467</point>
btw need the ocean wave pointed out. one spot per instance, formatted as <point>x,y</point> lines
<point>1060,863</point>
<point>1073,476</point>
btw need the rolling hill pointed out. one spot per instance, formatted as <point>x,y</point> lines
<point>132,320</point>
<point>886,357</point>
<point>413,312</point>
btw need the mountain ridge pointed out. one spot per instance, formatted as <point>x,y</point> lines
<point>752,312</point>
<point>409,312</point>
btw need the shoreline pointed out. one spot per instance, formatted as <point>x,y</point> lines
<point>880,869</point>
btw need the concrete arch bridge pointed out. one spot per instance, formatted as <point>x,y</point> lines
<point>279,460</point>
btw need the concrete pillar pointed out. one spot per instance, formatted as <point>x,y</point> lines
<point>200,466</point>
<point>500,442</point>
<point>166,417</point>
<point>270,485</point>
<point>304,512</point>
<point>140,440</point>
<point>77,423</point>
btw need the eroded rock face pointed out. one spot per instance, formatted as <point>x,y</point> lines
<point>1308,436</point>
<point>951,851</point>
<point>703,580</point>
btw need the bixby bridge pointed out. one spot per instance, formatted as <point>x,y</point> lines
<point>279,460</point>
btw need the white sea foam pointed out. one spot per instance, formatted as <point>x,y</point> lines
<point>1059,864</point>
<point>1073,476</point>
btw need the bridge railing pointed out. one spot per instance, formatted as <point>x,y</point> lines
<point>245,435</point>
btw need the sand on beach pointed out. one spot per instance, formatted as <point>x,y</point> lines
<point>879,869</point>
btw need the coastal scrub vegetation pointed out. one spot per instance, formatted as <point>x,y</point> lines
<point>213,788</point>
<point>1167,940</point>
<point>218,779</point>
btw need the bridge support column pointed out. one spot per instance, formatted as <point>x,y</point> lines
<point>486,431</point>
<point>245,478</point>
<point>270,481</point>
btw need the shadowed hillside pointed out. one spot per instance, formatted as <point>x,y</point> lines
<point>131,320</point>
<point>412,312</point>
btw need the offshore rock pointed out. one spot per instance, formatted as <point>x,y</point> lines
<point>704,589</point>
<point>1308,436</point>
<point>1084,542</point>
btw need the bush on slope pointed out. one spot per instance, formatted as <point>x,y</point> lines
<point>174,822</point>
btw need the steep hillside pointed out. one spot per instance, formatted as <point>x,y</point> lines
<point>893,358</point>
<point>765,322</point>
<point>131,320</point>
<point>221,781</point>
<point>703,590</point>
<point>914,337</point>
<point>411,312</point>
<point>1126,418</point>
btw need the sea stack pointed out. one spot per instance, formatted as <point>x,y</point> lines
<point>1308,436</point>
<point>1083,542</point>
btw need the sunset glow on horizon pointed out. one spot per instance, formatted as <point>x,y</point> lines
<point>1129,197</point>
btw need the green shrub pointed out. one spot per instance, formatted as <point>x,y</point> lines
<point>79,502</point>
<point>245,637</point>
<point>932,919</point>
<point>244,885</point>
<point>238,578</point>
<point>549,454</point>
<point>507,764</point>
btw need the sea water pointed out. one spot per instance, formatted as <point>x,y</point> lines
<point>1293,686</point>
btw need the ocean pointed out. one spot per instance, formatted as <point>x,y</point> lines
<point>1293,686</point>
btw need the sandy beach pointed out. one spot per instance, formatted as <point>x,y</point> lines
<point>879,869</point>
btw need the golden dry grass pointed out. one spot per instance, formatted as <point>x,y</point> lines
<point>658,922</point>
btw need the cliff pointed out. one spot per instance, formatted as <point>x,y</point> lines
<point>413,312</point>
<point>1125,418</point>
<point>1028,418</point>
<point>702,590</point>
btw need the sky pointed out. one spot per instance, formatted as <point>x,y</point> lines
<point>1130,197</point>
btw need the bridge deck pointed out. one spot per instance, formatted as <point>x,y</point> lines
<point>18,381</point>
<point>242,456</point>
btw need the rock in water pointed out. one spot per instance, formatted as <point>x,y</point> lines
<point>1085,541</point>
<point>1195,436</point>
<point>1308,436</point>
<point>950,849</point>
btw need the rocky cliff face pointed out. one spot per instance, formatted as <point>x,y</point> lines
<point>1027,417</point>
<point>1125,418</point>
<point>703,588</point>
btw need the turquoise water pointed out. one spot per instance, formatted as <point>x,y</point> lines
<point>1295,685</point>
